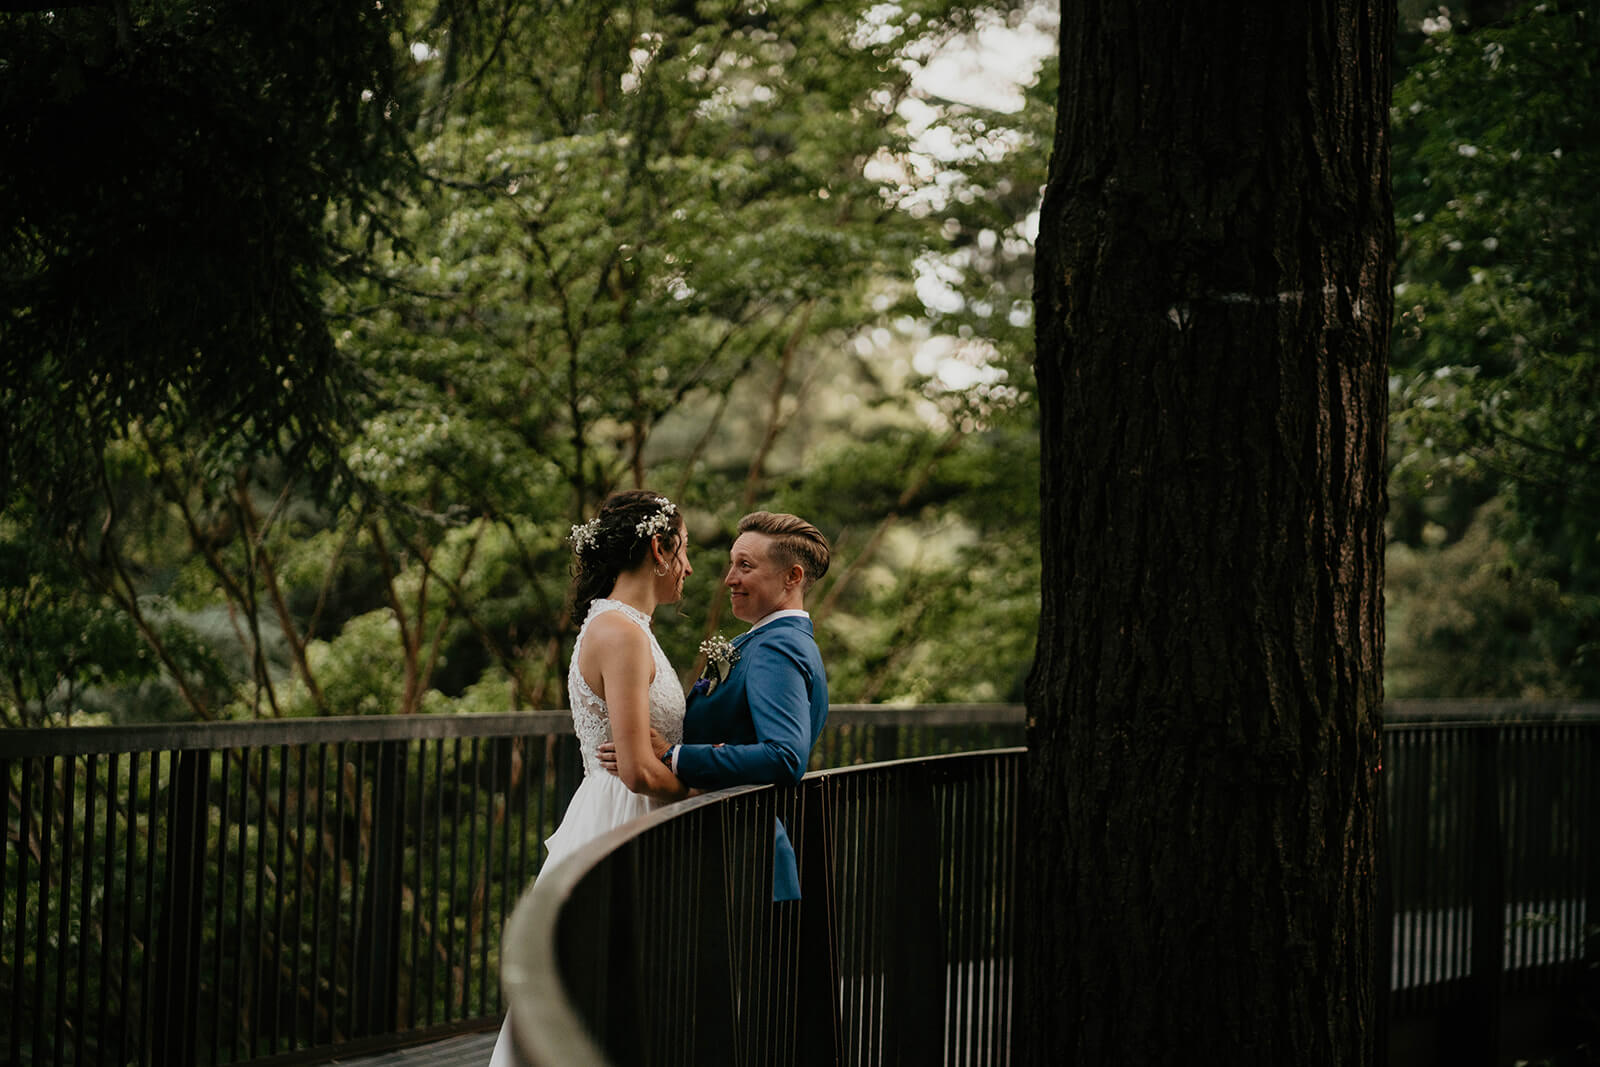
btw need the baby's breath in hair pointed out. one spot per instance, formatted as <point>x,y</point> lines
<point>661,521</point>
<point>584,536</point>
<point>630,524</point>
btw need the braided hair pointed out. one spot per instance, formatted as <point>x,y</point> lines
<point>618,539</point>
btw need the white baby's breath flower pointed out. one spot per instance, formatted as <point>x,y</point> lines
<point>584,536</point>
<point>720,655</point>
<point>660,522</point>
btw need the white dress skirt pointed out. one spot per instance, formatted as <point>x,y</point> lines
<point>601,802</point>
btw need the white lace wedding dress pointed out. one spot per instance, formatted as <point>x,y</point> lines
<point>601,802</point>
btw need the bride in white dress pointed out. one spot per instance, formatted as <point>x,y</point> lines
<point>631,557</point>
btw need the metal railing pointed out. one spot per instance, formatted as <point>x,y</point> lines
<point>659,943</point>
<point>639,949</point>
<point>223,892</point>
<point>218,893</point>
<point>1492,879</point>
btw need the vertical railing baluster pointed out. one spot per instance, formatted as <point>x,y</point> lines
<point>1000,903</point>
<point>125,1044</point>
<point>993,885</point>
<point>279,879</point>
<point>241,1019</point>
<point>1584,868</point>
<point>1012,928</point>
<point>337,947</point>
<point>966,966</point>
<point>152,848</point>
<point>161,952</point>
<point>546,792</point>
<point>107,941</point>
<point>259,1031</point>
<point>1448,892</point>
<point>760,889</point>
<point>356,975</point>
<point>319,894</point>
<point>870,853</point>
<point>787,914</point>
<point>19,1002</point>
<point>500,804</point>
<point>86,922</point>
<point>395,900</point>
<point>870,928</point>
<point>473,875</point>
<point>69,769</point>
<point>434,939</point>
<point>1447,946</point>
<point>179,936</point>
<point>418,837</point>
<point>451,993</point>
<point>1382,861</point>
<point>1431,904</point>
<point>379,928</point>
<point>220,923</point>
<point>46,835</point>
<point>861,928</point>
<point>970,914</point>
<point>950,889</point>
<point>1513,851</point>
<point>298,1038</point>
<point>530,815</point>
<point>6,922</point>
<point>1488,897</point>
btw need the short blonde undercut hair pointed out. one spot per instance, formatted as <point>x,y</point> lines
<point>794,540</point>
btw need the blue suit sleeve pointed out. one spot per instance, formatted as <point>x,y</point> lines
<point>777,686</point>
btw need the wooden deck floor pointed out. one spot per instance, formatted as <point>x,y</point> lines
<point>464,1050</point>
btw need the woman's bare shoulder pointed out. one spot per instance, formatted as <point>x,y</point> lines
<point>613,631</point>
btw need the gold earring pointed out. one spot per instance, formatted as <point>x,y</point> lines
<point>661,572</point>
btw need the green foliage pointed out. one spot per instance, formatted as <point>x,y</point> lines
<point>1464,621</point>
<point>164,246</point>
<point>1497,374</point>
<point>703,249</point>
<point>60,637</point>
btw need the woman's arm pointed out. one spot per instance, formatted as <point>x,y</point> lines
<point>618,665</point>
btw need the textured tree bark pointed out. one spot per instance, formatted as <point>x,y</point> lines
<point>1213,299</point>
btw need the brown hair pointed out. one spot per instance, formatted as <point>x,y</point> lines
<point>616,545</point>
<point>794,540</point>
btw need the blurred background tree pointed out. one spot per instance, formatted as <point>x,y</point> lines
<point>323,325</point>
<point>1494,582</point>
<point>746,254</point>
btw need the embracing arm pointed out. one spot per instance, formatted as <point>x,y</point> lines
<point>778,688</point>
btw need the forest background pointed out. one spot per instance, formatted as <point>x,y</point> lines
<point>324,325</point>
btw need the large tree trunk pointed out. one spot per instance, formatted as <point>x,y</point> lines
<point>1213,298</point>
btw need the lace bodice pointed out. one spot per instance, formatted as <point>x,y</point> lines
<point>589,716</point>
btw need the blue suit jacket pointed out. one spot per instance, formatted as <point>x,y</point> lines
<point>760,723</point>
<point>758,726</point>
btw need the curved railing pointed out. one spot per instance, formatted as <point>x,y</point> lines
<point>220,893</point>
<point>656,944</point>
<point>659,942</point>
<point>226,892</point>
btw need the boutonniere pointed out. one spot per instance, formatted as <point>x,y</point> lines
<point>720,657</point>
